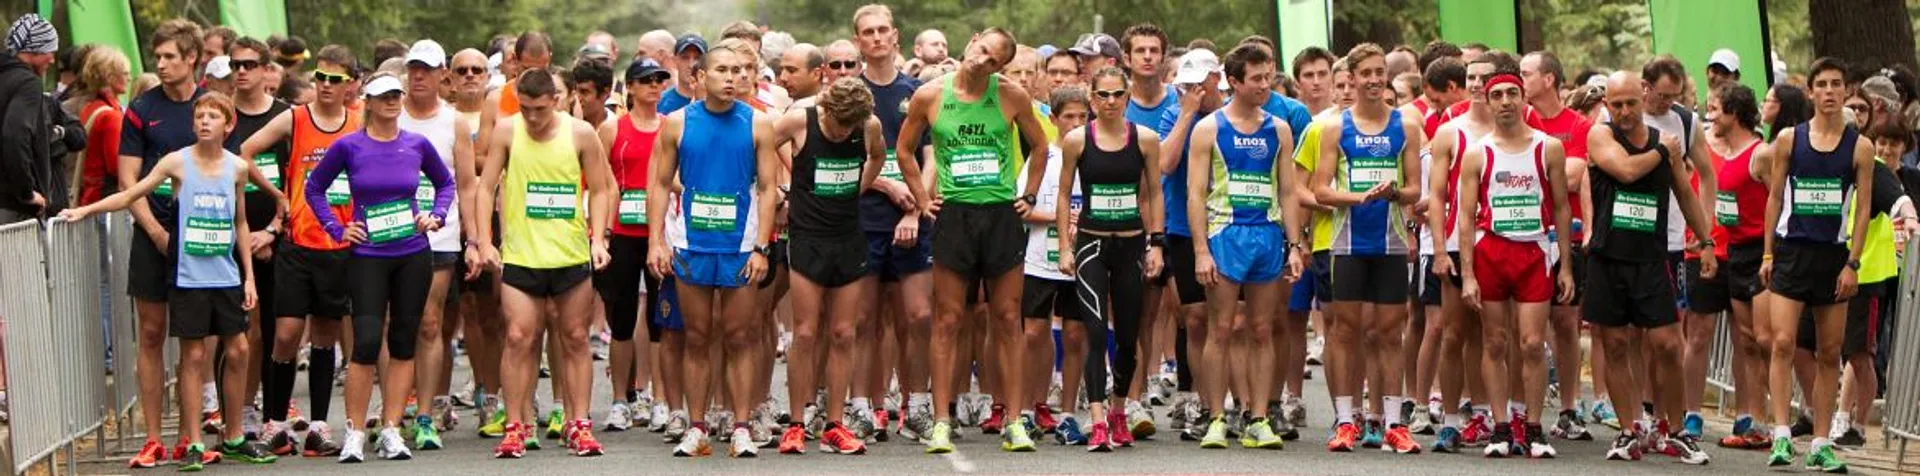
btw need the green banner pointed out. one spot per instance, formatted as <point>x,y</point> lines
<point>1303,23</point>
<point>255,18</point>
<point>106,22</point>
<point>1677,30</point>
<point>1495,23</point>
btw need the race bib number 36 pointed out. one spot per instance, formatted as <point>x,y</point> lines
<point>208,236</point>
<point>1249,190</point>
<point>1634,212</point>
<point>1365,173</point>
<point>389,221</point>
<point>1817,196</point>
<point>1516,214</point>
<point>1115,201</point>
<point>836,177</point>
<point>553,200</point>
<point>633,207</point>
<point>976,168</point>
<point>714,212</point>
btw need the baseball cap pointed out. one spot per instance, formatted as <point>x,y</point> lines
<point>1881,89</point>
<point>593,50</point>
<point>428,53</point>
<point>1046,51</point>
<point>1096,44</point>
<point>1195,66</point>
<point>645,67</point>
<point>220,67</point>
<point>383,85</point>
<point>690,40</point>
<point>1725,58</point>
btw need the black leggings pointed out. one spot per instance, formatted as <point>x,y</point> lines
<point>1109,276</point>
<point>619,285</point>
<point>389,295</point>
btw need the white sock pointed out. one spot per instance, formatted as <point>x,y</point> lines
<point>1482,410</point>
<point>1821,442</point>
<point>862,404</point>
<point>1454,420</point>
<point>1782,431</point>
<point>1343,409</point>
<point>1517,409</point>
<point>1393,414</point>
<point>919,399</point>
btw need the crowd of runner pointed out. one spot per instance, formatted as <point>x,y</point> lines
<point>1079,243</point>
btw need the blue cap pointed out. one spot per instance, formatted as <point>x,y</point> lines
<point>645,67</point>
<point>690,40</point>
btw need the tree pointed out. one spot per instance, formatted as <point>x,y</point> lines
<point>1867,34</point>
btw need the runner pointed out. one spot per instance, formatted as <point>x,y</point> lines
<point>1253,238</point>
<point>1048,293</point>
<point>542,259</point>
<point>1506,195</point>
<point>829,258</point>
<point>1628,281</point>
<point>843,60</point>
<point>687,52</point>
<point>1460,327</point>
<point>253,109</point>
<point>1807,238</point>
<point>1543,77</point>
<point>631,139</point>
<point>1199,79</point>
<point>392,263</point>
<point>484,331</point>
<point>1738,209</point>
<point>1667,83</point>
<point>1148,98</point>
<point>1373,171</point>
<point>722,250</point>
<point>1313,70</point>
<point>311,266</point>
<point>211,292</point>
<point>802,72</point>
<point>437,121</point>
<point>157,123</point>
<point>972,137</point>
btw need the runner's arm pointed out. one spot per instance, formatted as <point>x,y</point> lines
<point>1863,168</point>
<point>1177,138</point>
<point>1323,174</point>
<point>666,167</point>
<point>1471,167</point>
<point>492,163</point>
<point>1776,191</point>
<point>1612,158</point>
<point>1072,144</point>
<point>1285,172</point>
<point>907,146</point>
<point>276,130</point>
<point>766,183</point>
<point>243,240</point>
<point>463,178</point>
<point>1557,182</point>
<point>136,192</point>
<point>1709,182</point>
<point>876,153</point>
<point>318,180</point>
<point>1154,210</point>
<point>1199,179</point>
<point>1700,222</point>
<point>1408,192</point>
<point>593,163</point>
<point>1440,157</point>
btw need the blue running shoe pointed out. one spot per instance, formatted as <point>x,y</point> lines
<point>1068,433</point>
<point>1743,425</point>
<point>1374,435</point>
<point>1448,441</point>
<point>1603,413</point>
<point>1694,426</point>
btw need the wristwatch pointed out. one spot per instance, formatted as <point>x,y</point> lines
<point>763,250</point>
<point>1030,199</point>
<point>1157,239</point>
<point>1853,265</point>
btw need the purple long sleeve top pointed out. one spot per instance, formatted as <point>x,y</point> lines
<point>383,176</point>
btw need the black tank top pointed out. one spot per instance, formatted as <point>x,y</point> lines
<point>1630,218</point>
<point>824,200</point>
<point>1110,184</point>
<point>1818,189</point>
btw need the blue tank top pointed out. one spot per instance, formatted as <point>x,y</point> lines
<point>1244,163</point>
<point>1371,228</point>
<point>1819,189</point>
<point>1173,185</point>
<point>205,245</point>
<point>717,167</point>
<point>1143,115</point>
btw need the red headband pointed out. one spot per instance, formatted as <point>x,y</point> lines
<point>1505,78</point>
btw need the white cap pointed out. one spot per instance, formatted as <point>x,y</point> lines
<point>1195,66</point>
<point>220,67</point>
<point>427,52</point>
<point>1725,58</point>
<point>382,85</point>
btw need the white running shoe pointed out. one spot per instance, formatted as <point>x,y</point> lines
<point>742,444</point>
<point>659,418</point>
<point>618,417</point>
<point>1314,349</point>
<point>391,447</point>
<point>353,448</point>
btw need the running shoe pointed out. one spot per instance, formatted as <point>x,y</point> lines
<point>425,436</point>
<point>1177,414</point>
<point>659,418</point>
<point>1571,427</point>
<point>1068,433</point>
<point>793,441</point>
<point>693,443</point>
<point>1118,432</point>
<point>180,449</point>
<point>885,421</point>
<point>195,459</point>
<point>1407,409</point>
<point>995,422</point>
<point>249,421</point>
<point>1154,397</point>
<point>1216,436</point>
<point>1684,446</point>
<point>1099,442</point>
<point>278,438</point>
<point>354,448</point>
<point>1400,440</point>
<point>1477,433</point>
<point>1043,417</point>
<point>966,410</point>
<point>445,418</point>
<point>860,424</point>
<point>939,439</point>
<point>1851,438</point>
<point>1260,435</point>
<point>1422,425</point>
<point>677,427</point>
<point>319,442</point>
<point>1823,459</point>
<point>1537,445</point>
<point>1295,412</point>
<point>1345,436</point>
<point>619,417</point>
<point>1288,432</point>
<point>813,421</point>
<point>1198,422</point>
<point>1502,443</point>
<point>247,451</point>
<point>1139,422</point>
<point>1658,442</point>
<point>1694,425</point>
<point>391,447</point>
<point>151,454</point>
<point>581,441</point>
<point>1314,349</point>
<point>761,428</point>
<point>1448,441</point>
<point>637,410</point>
<point>1782,452</point>
<point>1521,436</point>
<point>1626,447</point>
<point>839,440</point>
<point>1603,413</point>
<point>1802,426</point>
<point>1374,436</point>
<point>296,420</point>
<point>496,424</point>
<point>557,423</point>
<point>918,424</point>
<point>1015,437</point>
<point>210,422</point>
<point>512,445</point>
<point>1756,439</point>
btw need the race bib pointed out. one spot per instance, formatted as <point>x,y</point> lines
<point>1726,208</point>
<point>633,207</point>
<point>389,221</point>
<point>338,192</point>
<point>1364,173</point>
<point>1516,214</point>
<point>424,194</point>
<point>552,200</point>
<point>208,236</point>
<point>1115,202</point>
<point>714,212</point>
<point>1053,247</point>
<point>1817,196</point>
<point>1634,212</point>
<point>1250,190</point>
<point>891,169</point>
<point>836,177</point>
<point>165,189</point>
<point>269,165</point>
<point>976,167</point>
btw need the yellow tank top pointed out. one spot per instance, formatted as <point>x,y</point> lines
<point>542,222</point>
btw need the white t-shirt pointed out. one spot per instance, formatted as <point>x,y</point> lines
<point>439,131</point>
<point>1041,239</point>
<point>1669,122</point>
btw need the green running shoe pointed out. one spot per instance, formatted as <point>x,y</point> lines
<point>939,441</point>
<point>1216,435</point>
<point>248,451</point>
<point>425,436</point>
<point>1823,460</point>
<point>192,462</point>
<point>1260,435</point>
<point>1782,452</point>
<point>556,423</point>
<point>495,426</point>
<point>1015,438</point>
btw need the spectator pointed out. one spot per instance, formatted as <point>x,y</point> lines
<point>104,77</point>
<point>1786,106</point>
<point>26,131</point>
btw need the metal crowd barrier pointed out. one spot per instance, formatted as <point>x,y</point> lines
<point>1902,417</point>
<point>1720,362</point>
<point>55,350</point>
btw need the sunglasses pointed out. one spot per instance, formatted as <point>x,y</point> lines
<point>330,78</point>
<point>245,65</point>
<point>647,80</point>
<point>1110,93</point>
<point>470,70</point>
<point>391,96</point>
<point>845,64</point>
